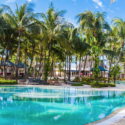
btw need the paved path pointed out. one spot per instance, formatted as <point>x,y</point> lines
<point>118,87</point>
<point>120,122</point>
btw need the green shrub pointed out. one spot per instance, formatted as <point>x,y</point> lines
<point>86,79</point>
<point>86,83</point>
<point>94,85</point>
<point>112,84</point>
<point>8,82</point>
<point>2,78</point>
<point>99,85</point>
<point>77,84</point>
<point>47,69</point>
<point>92,79</point>
<point>102,85</point>
<point>34,80</point>
<point>120,79</point>
<point>77,79</point>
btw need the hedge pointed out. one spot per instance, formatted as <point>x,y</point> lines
<point>86,83</point>
<point>102,85</point>
<point>77,84</point>
<point>8,82</point>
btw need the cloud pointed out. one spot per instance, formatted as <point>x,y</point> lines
<point>111,10</point>
<point>96,7</point>
<point>31,0</point>
<point>10,1</point>
<point>72,21</point>
<point>98,2</point>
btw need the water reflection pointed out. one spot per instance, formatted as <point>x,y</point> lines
<point>57,106</point>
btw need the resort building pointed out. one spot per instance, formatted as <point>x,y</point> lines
<point>89,64</point>
<point>8,65</point>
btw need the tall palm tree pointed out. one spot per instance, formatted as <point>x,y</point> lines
<point>92,23</point>
<point>20,20</point>
<point>120,24</point>
<point>112,1</point>
<point>53,29</point>
<point>80,47</point>
<point>109,49</point>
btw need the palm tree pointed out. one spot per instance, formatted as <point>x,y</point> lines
<point>92,23</point>
<point>120,24</point>
<point>52,28</point>
<point>112,1</point>
<point>20,20</point>
<point>109,50</point>
<point>80,47</point>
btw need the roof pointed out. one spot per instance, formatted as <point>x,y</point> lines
<point>101,69</point>
<point>21,65</point>
<point>73,70</point>
<point>9,63</point>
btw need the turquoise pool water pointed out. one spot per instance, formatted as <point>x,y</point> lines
<point>120,82</point>
<point>56,106</point>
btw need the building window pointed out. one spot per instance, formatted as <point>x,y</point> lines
<point>7,70</point>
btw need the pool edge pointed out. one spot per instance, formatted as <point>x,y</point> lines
<point>109,117</point>
<point>80,88</point>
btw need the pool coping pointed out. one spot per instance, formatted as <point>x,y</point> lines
<point>80,88</point>
<point>110,118</point>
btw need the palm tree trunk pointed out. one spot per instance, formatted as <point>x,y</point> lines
<point>5,72</point>
<point>3,53</point>
<point>85,62</point>
<point>52,67</point>
<point>60,68</point>
<point>49,51</point>
<point>2,57</point>
<point>124,70</point>
<point>76,67</point>
<point>118,62</point>
<point>65,68</point>
<point>41,61</point>
<point>25,64</point>
<point>110,69</point>
<point>18,51</point>
<point>36,66</point>
<point>80,65</point>
<point>7,64</point>
<point>90,68</point>
<point>31,62</point>
<point>45,58</point>
<point>69,66</point>
<point>53,74</point>
<point>119,58</point>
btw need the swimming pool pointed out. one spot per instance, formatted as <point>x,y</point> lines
<point>56,106</point>
<point>120,82</point>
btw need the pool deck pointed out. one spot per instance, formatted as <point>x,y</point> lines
<point>85,87</point>
<point>116,118</point>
